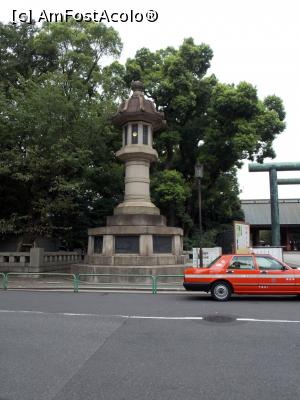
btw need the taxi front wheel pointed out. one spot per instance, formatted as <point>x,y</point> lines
<point>221,291</point>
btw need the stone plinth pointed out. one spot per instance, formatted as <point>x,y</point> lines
<point>136,240</point>
<point>136,220</point>
<point>134,244</point>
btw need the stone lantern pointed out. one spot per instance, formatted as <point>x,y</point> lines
<point>139,120</point>
<point>136,238</point>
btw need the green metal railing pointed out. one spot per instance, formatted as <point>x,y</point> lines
<point>4,284</point>
<point>151,277</point>
<point>5,277</point>
<point>157,277</point>
<point>76,279</point>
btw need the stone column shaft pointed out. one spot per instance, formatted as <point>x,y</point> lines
<point>137,181</point>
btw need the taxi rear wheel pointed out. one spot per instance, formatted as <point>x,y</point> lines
<point>221,291</point>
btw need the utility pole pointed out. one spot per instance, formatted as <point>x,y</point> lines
<point>199,176</point>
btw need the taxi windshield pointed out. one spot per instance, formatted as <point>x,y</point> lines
<point>213,262</point>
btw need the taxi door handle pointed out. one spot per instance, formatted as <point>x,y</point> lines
<point>230,272</point>
<point>263,272</point>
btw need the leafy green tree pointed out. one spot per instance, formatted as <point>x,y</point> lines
<point>57,166</point>
<point>170,194</point>
<point>233,122</point>
<point>58,171</point>
<point>17,54</point>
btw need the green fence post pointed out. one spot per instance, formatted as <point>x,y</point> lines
<point>76,283</point>
<point>157,277</point>
<point>5,282</point>
<point>154,284</point>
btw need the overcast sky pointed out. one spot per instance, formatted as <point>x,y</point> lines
<point>255,41</point>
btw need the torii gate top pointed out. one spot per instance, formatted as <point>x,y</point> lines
<point>278,166</point>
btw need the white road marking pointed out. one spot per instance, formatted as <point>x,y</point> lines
<point>77,314</point>
<point>22,311</point>
<point>146,316</point>
<point>268,320</point>
<point>153,317</point>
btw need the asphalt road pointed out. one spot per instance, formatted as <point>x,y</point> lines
<point>117,346</point>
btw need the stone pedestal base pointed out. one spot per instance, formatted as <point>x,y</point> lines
<point>138,207</point>
<point>136,220</point>
<point>134,243</point>
<point>130,260</point>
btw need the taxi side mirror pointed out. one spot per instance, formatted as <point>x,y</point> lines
<point>284,268</point>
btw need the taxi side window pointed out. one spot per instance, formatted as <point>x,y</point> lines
<point>267,263</point>
<point>241,262</point>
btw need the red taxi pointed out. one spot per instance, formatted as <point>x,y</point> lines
<point>243,274</point>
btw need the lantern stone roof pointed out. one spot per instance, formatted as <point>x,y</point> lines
<point>137,108</point>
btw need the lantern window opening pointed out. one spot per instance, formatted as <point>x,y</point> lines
<point>125,135</point>
<point>134,134</point>
<point>145,134</point>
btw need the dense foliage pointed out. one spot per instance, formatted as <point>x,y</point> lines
<point>58,171</point>
<point>231,121</point>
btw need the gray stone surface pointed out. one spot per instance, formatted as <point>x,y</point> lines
<point>137,260</point>
<point>136,220</point>
<point>136,152</point>
<point>136,207</point>
<point>139,230</point>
